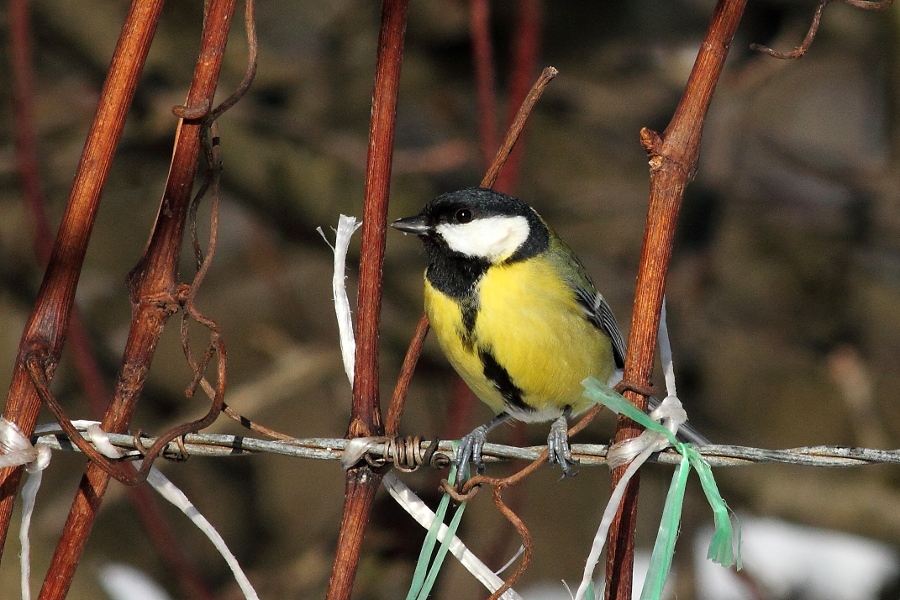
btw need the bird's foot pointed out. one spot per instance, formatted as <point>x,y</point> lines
<point>470,447</point>
<point>558,450</point>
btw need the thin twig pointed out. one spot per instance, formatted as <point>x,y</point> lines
<point>515,128</point>
<point>187,294</point>
<point>527,543</point>
<point>398,400</point>
<point>252,56</point>
<point>249,423</point>
<point>802,49</point>
<point>870,4</point>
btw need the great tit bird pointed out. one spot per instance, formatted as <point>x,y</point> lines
<point>515,312</point>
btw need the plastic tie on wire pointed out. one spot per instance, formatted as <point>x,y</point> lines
<point>670,414</point>
<point>17,450</point>
<point>357,449</point>
<point>724,548</point>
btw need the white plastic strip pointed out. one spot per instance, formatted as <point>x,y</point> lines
<point>170,492</point>
<point>419,511</point>
<point>343,233</point>
<point>670,414</point>
<point>357,448</point>
<point>17,451</point>
<point>16,448</point>
<point>124,582</point>
<point>29,496</point>
<point>608,515</point>
<point>665,352</point>
<point>35,471</point>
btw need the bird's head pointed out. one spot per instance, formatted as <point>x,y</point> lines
<point>478,224</point>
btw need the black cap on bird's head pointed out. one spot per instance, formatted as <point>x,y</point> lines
<point>479,224</point>
<point>460,207</point>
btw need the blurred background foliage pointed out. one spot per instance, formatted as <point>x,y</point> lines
<point>784,290</point>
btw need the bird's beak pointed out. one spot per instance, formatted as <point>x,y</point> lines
<point>416,224</point>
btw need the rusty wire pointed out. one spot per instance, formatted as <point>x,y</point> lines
<point>408,454</point>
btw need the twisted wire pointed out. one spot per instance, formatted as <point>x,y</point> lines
<point>412,452</point>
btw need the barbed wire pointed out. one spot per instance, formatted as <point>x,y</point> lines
<point>416,451</point>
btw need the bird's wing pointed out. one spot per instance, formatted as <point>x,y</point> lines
<point>595,308</point>
<point>600,315</point>
<point>598,312</point>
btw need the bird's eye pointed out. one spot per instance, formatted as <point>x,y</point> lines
<point>463,215</point>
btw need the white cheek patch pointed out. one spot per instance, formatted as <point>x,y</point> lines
<point>492,238</point>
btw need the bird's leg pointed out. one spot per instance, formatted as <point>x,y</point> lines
<point>558,450</point>
<point>470,447</point>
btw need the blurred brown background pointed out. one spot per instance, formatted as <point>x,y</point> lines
<point>784,290</point>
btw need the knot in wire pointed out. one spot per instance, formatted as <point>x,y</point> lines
<point>638,388</point>
<point>181,456</point>
<point>192,113</point>
<point>407,454</point>
<point>467,491</point>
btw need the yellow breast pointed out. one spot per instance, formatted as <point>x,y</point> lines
<point>529,321</point>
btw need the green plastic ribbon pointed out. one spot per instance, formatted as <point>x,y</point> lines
<point>427,570</point>
<point>601,393</point>
<point>722,549</point>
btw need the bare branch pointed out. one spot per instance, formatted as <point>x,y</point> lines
<point>48,324</point>
<point>804,47</point>
<point>361,483</point>
<point>673,157</point>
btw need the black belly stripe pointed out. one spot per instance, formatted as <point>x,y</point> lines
<point>469,308</point>
<point>499,376</point>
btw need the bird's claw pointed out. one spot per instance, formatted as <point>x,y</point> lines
<point>470,448</point>
<point>558,450</point>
